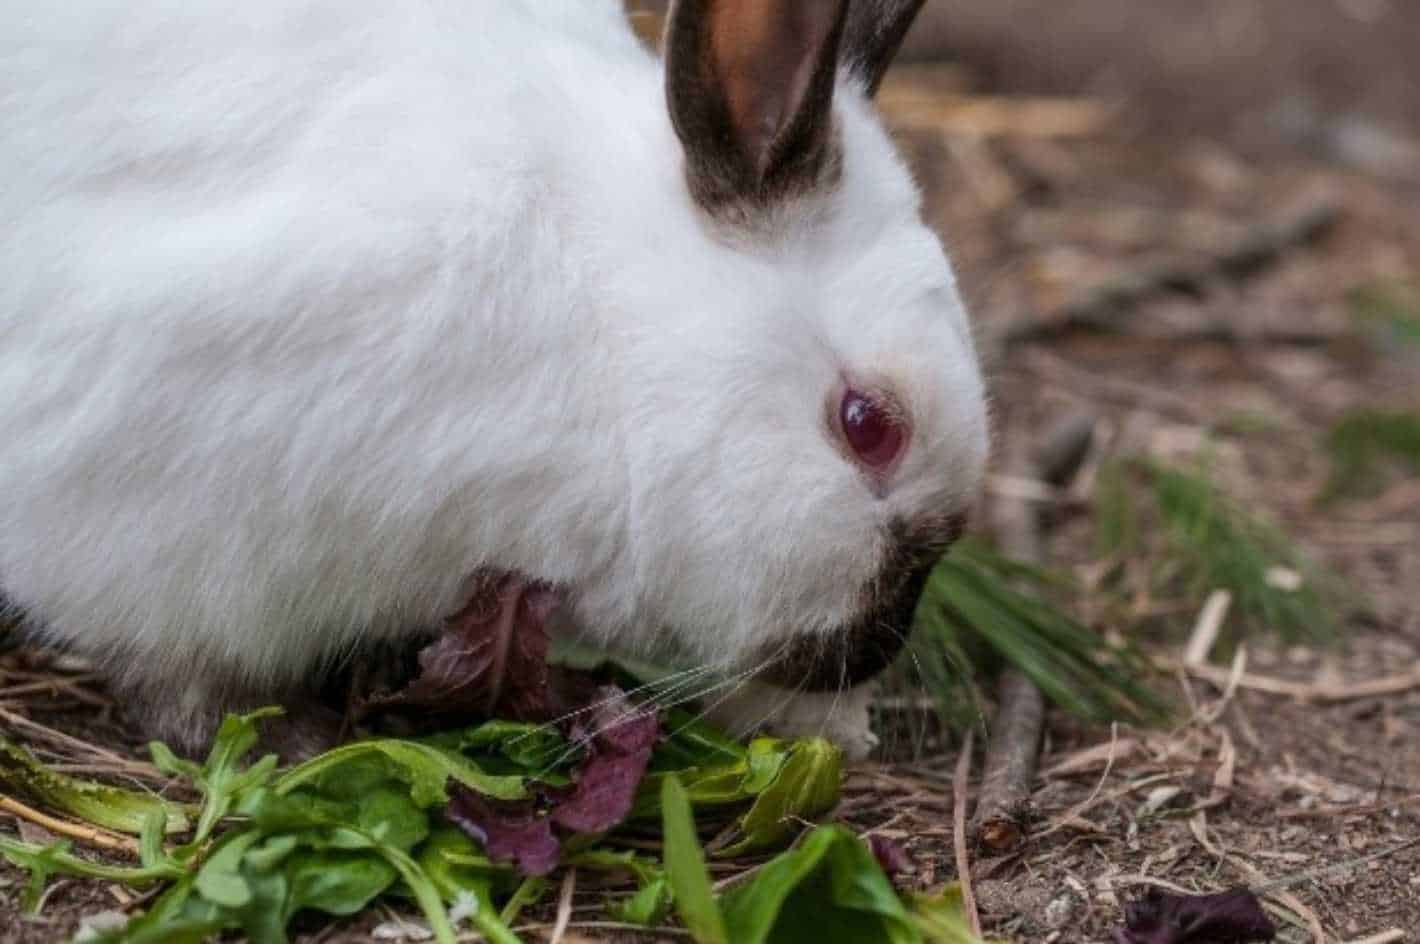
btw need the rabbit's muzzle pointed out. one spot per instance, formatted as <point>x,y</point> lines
<point>868,645</point>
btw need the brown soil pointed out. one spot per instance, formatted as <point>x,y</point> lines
<point>1034,223</point>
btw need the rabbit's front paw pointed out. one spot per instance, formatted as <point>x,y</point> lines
<point>841,717</point>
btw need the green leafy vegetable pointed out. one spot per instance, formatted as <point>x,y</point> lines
<point>650,903</point>
<point>112,808</point>
<point>425,767</point>
<point>802,782</point>
<point>685,868</point>
<point>222,778</point>
<point>529,892</point>
<point>57,859</point>
<point>828,890</point>
<point>784,781</point>
<point>460,872</point>
<point>939,917</point>
<point>648,907</point>
<point>365,820</point>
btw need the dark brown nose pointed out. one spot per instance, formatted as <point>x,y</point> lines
<point>870,643</point>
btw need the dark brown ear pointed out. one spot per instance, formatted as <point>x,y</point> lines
<point>749,84</point>
<point>873,35</point>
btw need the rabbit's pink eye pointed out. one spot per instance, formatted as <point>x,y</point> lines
<point>873,429</point>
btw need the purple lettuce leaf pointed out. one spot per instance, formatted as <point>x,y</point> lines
<point>619,738</point>
<point>1231,917</point>
<point>491,659</point>
<point>618,751</point>
<point>893,859</point>
<point>513,832</point>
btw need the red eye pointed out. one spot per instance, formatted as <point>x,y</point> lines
<point>874,430</point>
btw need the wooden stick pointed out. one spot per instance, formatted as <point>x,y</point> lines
<point>1001,811</point>
<point>959,787</point>
<point>1107,306</point>
<point>1012,755</point>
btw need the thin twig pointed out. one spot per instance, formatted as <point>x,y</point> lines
<point>959,789</point>
<point>1385,937</point>
<point>59,737</point>
<point>1331,871</point>
<point>564,906</point>
<point>1325,691</point>
<point>1014,750</point>
<point>66,682</point>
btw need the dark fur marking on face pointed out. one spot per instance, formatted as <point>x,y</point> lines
<point>870,643</point>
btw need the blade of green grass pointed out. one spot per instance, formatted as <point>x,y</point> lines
<point>980,607</point>
<point>1220,545</point>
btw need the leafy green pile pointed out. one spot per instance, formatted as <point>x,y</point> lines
<point>365,820</point>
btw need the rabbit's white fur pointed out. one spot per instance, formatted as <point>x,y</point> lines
<point>309,309</point>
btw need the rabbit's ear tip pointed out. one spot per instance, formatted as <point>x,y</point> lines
<point>749,86</point>
<point>873,35</point>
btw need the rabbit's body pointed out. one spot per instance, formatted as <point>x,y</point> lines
<point>310,310</point>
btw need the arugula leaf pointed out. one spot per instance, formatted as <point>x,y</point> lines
<point>530,891</point>
<point>165,923</point>
<point>533,749</point>
<point>220,880</point>
<point>648,907</point>
<point>427,768</point>
<point>685,868</point>
<point>56,859</point>
<point>693,743</point>
<point>221,778</point>
<point>459,871</point>
<point>40,861</point>
<point>650,903</point>
<point>422,887</point>
<point>150,842</point>
<point>334,881</point>
<point>112,808</point>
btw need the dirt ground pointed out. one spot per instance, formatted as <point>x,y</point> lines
<point>1306,761</point>
<point>1328,771</point>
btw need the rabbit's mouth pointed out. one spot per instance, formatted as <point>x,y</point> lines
<point>868,644</point>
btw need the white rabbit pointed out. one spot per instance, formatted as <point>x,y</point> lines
<point>312,309</point>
